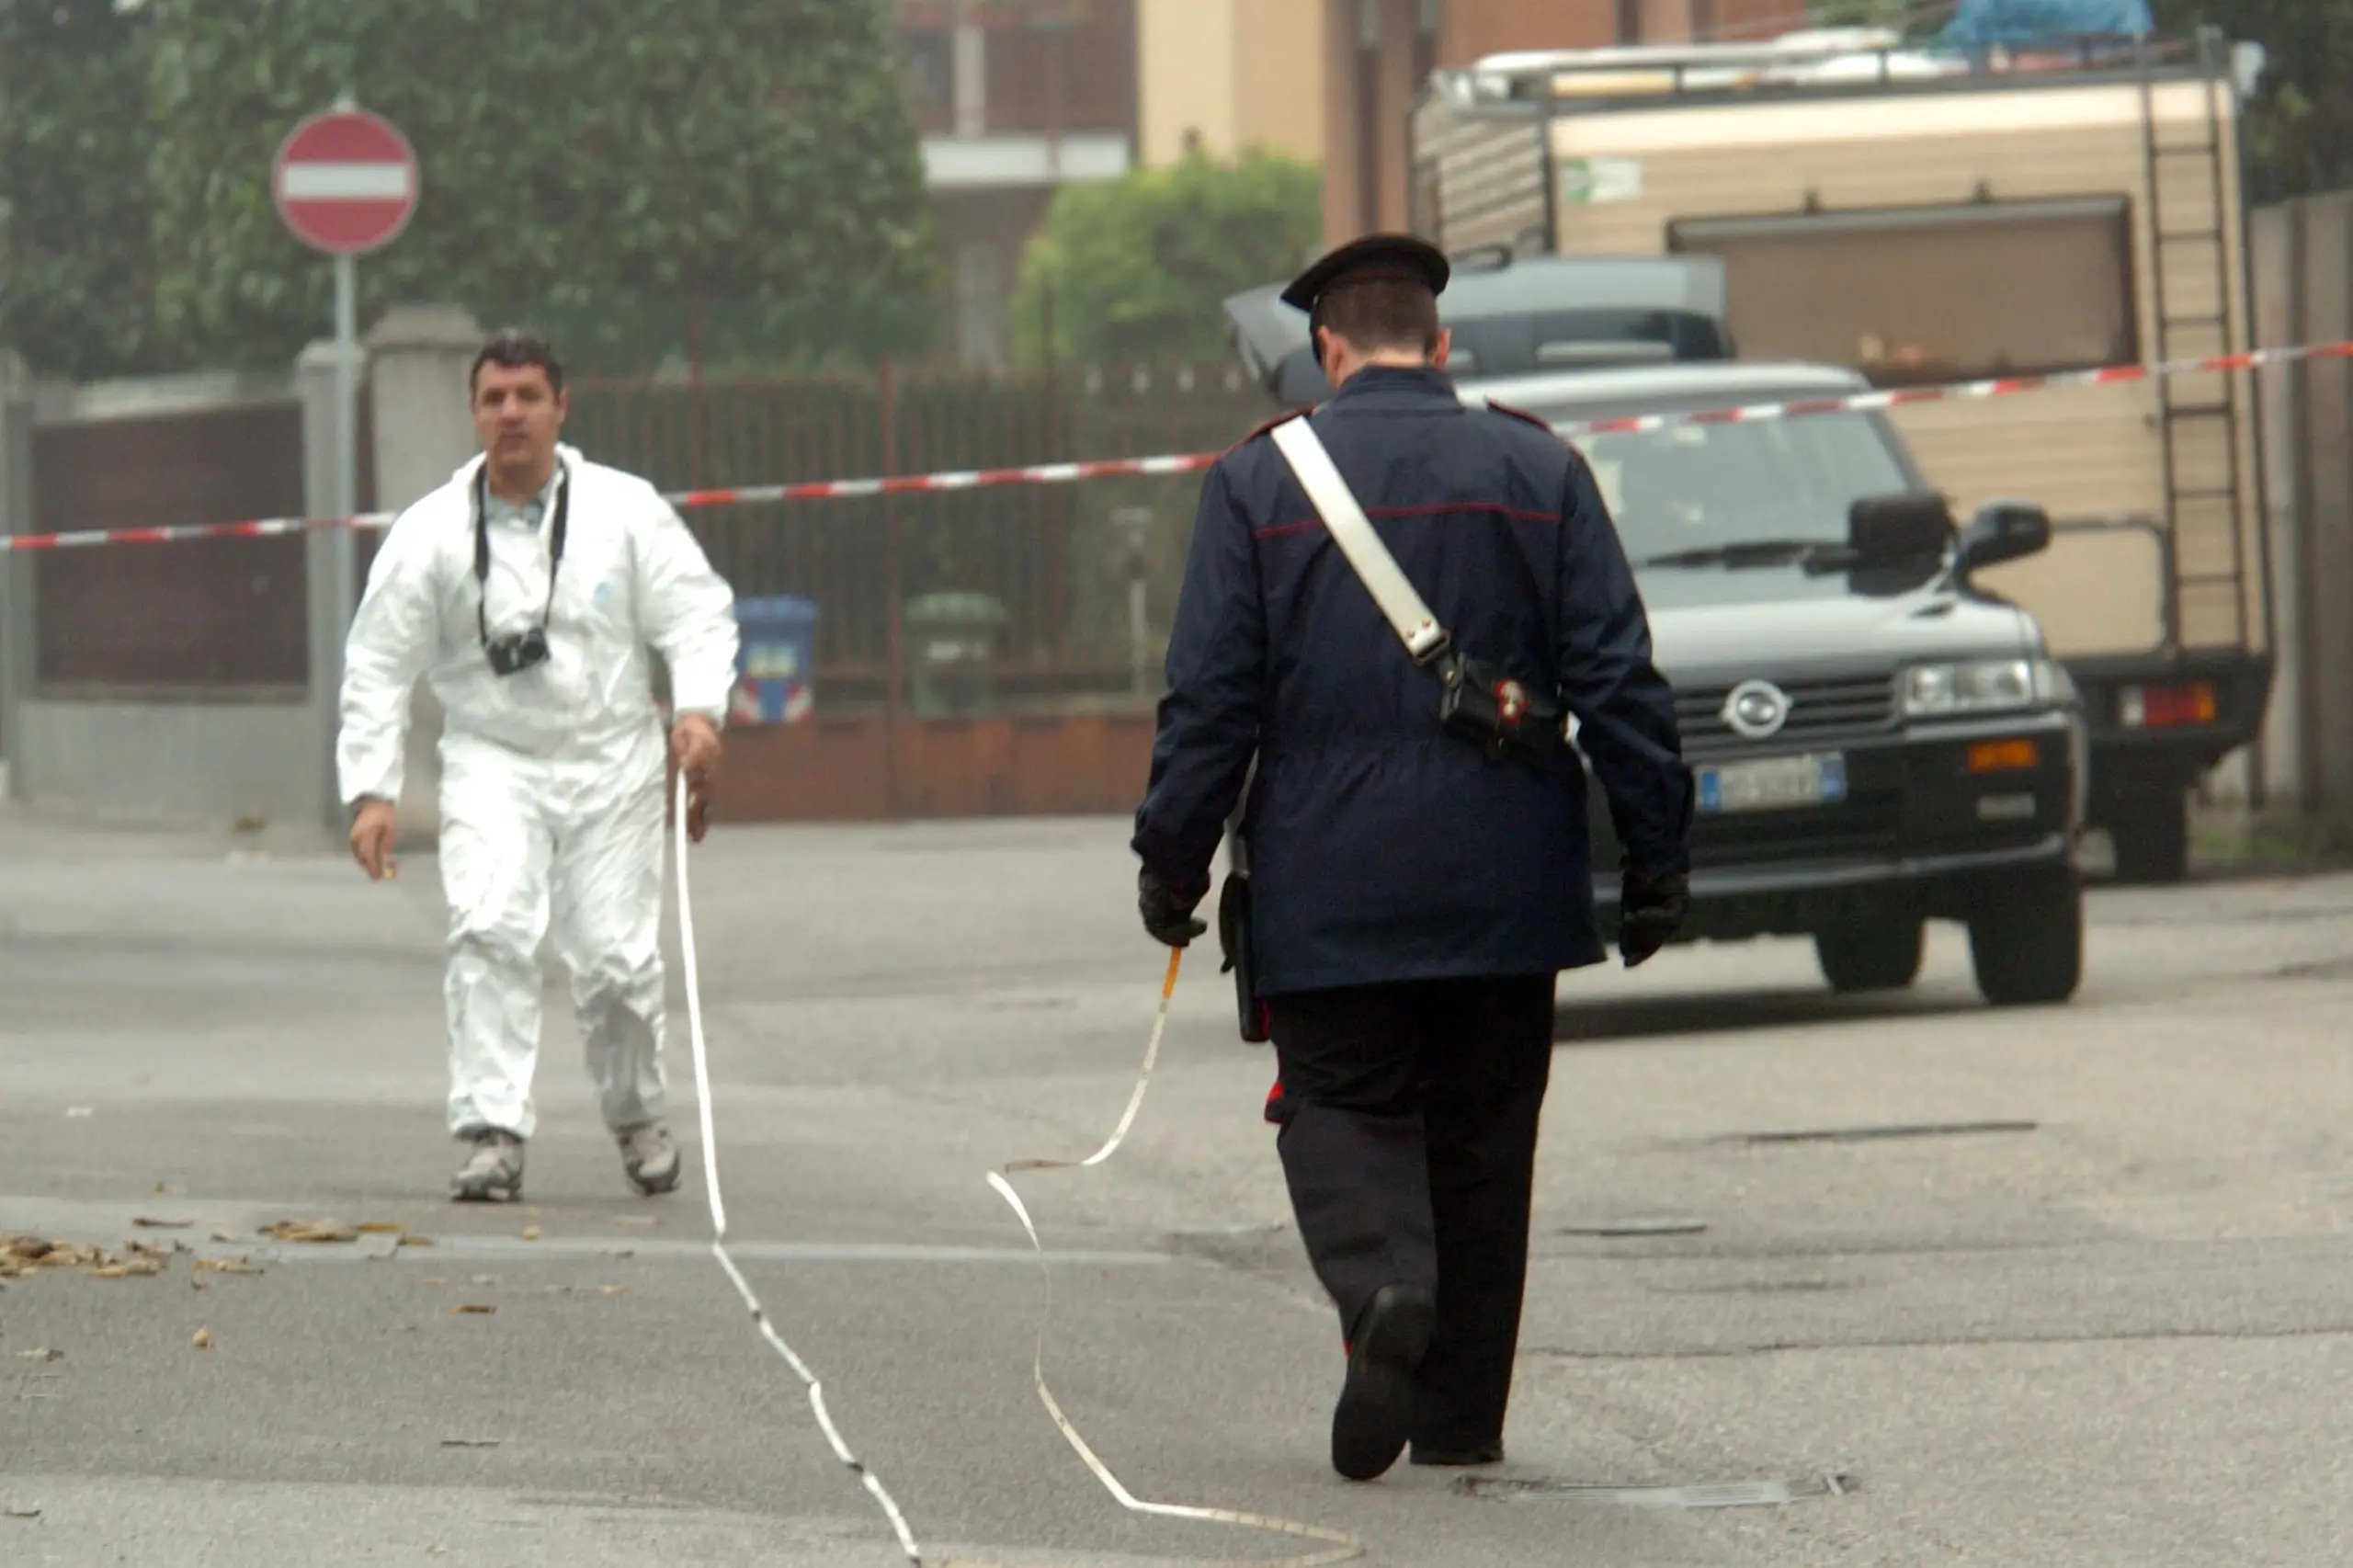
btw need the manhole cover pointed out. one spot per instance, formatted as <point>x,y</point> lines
<point>1705,1494</point>
<point>1655,1227</point>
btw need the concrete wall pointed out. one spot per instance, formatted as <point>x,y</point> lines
<point>19,644</point>
<point>2303,253</point>
<point>201,761</point>
<point>201,764</point>
<point>194,762</point>
<point>419,357</point>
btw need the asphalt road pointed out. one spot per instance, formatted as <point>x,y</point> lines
<point>2065,1287</point>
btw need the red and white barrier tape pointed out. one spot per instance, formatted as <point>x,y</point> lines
<point>1194,463</point>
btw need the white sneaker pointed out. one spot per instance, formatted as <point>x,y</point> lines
<point>648,1157</point>
<point>495,1174</point>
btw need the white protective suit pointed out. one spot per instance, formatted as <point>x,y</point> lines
<point>552,789</point>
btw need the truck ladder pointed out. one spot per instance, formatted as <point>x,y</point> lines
<point>2189,422</point>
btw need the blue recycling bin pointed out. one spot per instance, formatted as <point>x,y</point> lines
<point>775,664</point>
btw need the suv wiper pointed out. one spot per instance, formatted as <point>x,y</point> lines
<point>1753,553</point>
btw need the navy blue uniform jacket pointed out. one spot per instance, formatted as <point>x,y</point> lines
<point>1382,847</point>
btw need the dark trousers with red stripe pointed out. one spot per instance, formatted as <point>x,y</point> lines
<point>1409,1120</point>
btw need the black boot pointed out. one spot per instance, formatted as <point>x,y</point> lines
<point>1375,1413</point>
<point>1452,1457</point>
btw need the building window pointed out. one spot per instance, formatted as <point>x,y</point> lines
<point>1703,21</point>
<point>929,57</point>
<point>1918,296</point>
<point>1630,21</point>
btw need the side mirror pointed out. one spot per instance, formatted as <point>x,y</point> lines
<point>1885,529</point>
<point>2004,530</point>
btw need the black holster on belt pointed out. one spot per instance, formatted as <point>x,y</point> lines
<point>1233,936</point>
<point>1498,714</point>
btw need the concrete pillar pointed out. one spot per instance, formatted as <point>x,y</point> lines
<point>19,646</point>
<point>330,567</point>
<point>419,360</point>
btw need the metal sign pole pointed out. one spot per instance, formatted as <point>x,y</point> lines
<point>344,547</point>
<point>344,550</point>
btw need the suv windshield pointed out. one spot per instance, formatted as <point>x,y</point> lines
<point>1701,491</point>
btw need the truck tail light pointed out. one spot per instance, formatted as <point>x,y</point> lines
<point>2165,707</point>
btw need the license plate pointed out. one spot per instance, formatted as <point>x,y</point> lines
<point>1773,784</point>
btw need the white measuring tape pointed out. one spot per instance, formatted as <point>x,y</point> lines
<point>719,1205</point>
<point>1340,1546</point>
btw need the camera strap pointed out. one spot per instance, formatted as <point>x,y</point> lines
<point>1311,465</point>
<point>481,543</point>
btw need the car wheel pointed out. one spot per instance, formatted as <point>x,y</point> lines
<point>1871,957</point>
<point>2027,940</point>
<point>2152,839</point>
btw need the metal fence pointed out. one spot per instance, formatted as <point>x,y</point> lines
<point>1075,581</point>
<point>1050,573</point>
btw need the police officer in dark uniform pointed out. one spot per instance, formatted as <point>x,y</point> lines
<point>1416,826</point>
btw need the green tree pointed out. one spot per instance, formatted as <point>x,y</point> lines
<point>73,149</point>
<point>2299,126</point>
<point>1132,270</point>
<point>594,163</point>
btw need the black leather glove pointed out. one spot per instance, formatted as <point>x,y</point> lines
<point>1167,909</point>
<point>1651,908</point>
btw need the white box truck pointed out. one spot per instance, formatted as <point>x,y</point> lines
<point>1927,218</point>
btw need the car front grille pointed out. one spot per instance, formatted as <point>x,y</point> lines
<point>1819,710</point>
<point>1868,828</point>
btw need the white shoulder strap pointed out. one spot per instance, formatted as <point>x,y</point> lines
<point>1352,531</point>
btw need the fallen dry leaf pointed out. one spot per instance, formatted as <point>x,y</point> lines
<point>224,1265</point>
<point>143,1269</point>
<point>486,1280</point>
<point>637,1219</point>
<point>407,1240</point>
<point>149,1223</point>
<point>471,1442</point>
<point>612,1290</point>
<point>476,1308</point>
<point>310,1231</point>
<point>381,1228</point>
<point>203,1340</point>
<point>15,1512</point>
<point>44,1354</point>
<point>530,1232</point>
<point>196,1282</point>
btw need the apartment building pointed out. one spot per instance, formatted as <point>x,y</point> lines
<point>1019,97</point>
<point>1228,75</point>
<point>1016,98</point>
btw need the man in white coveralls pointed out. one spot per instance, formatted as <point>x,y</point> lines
<point>528,590</point>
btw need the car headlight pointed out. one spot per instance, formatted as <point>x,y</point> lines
<point>1984,686</point>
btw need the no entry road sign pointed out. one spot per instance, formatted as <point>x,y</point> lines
<point>345,181</point>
